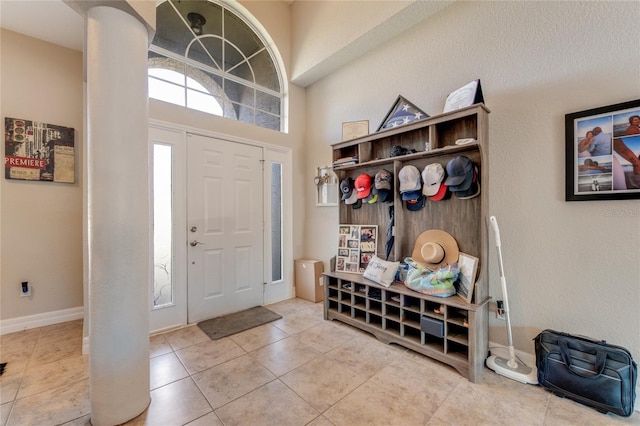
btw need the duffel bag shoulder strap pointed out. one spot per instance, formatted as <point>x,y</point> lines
<point>601,358</point>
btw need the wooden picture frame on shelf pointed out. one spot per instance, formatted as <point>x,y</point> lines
<point>354,129</point>
<point>465,96</point>
<point>602,148</point>
<point>468,273</point>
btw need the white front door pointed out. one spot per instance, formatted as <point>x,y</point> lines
<point>224,227</point>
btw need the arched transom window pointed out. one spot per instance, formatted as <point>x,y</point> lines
<point>205,56</point>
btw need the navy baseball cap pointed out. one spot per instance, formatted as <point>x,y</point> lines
<point>458,169</point>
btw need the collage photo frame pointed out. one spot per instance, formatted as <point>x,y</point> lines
<point>357,244</point>
<point>602,147</point>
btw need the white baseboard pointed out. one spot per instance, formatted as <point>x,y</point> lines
<point>12,325</point>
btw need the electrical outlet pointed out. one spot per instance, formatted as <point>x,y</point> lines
<point>25,289</point>
<point>500,310</point>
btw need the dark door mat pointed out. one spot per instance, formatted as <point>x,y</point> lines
<point>217,328</point>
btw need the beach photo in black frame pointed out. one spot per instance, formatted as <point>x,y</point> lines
<point>602,151</point>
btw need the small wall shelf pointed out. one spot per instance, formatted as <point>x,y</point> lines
<point>327,187</point>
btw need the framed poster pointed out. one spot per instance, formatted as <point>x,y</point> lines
<point>38,151</point>
<point>602,149</point>
<point>357,244</point>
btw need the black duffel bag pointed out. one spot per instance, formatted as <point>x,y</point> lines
<point>587,371</point>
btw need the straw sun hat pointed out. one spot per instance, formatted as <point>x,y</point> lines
<point>435,249</point>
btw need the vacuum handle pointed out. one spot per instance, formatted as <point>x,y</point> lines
<point>496,231</point>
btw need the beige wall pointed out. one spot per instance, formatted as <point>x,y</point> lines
<point>41,234</point>
<point>573,267</point>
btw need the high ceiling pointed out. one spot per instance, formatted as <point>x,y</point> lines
<point>50,20</point>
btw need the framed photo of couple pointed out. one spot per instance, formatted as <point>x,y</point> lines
<point>603,153</point>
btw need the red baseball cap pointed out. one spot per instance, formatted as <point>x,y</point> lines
<point>363,185</point>
<point>443,193</point>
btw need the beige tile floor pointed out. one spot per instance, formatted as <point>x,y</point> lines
<point>299,370</point>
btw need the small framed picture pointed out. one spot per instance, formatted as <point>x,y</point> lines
<point>465,96</point>
<point>354,129</point>
<point>466,280</point>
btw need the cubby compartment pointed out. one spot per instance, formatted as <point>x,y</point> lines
<point>359,314</point>
<point>392,326</point>
<point>375,307</point>
<point>458,350</point>
<point>359,301</point>
<point>458,316</point>
<point>434,343</point>
<point>450,329</point>
<point>346,286</point>
<point>458,333</point>
<point>344,309</point>
<point>392,312</point>
<point>331,283</point>
<point>332,294</point>
<point>434,309</point>
<point>410,303</point>
<point>392,298</point>
<point>448,131</point>
<point>411,319</point>
<point>374,319</point>
<point>413,335</point>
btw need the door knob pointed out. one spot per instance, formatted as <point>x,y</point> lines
<point>194,243</point>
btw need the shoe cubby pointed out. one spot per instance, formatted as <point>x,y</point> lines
<point>396,315</point>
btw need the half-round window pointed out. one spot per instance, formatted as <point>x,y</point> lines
<point>205,56</point>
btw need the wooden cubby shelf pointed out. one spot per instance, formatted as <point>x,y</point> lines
<point>460,334</point>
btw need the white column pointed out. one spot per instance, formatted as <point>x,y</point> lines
<point>118,214</point>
